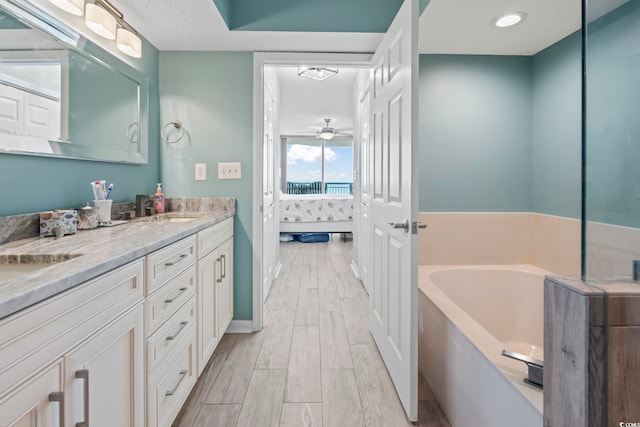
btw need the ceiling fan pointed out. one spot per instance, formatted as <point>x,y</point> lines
<point>327,132</point>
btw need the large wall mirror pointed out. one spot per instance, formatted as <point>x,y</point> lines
<point>63,96</point>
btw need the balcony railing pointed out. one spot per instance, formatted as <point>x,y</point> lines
<point>316,187</point>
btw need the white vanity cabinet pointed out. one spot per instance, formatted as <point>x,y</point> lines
<point>170,311</point>
<point>77,357</point>
<point>215,287</point>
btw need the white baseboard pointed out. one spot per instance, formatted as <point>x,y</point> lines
<point>240,327</point>
<point>354,268</point>
<point>278,269</point>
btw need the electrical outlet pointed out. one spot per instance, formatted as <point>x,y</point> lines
<point>201,171</point>
<point>229,170</point>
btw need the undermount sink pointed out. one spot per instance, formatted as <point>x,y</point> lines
<point>12,266</point>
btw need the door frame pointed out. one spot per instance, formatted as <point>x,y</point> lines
<point>260,59</point>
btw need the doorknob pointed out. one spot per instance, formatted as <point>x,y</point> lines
<point>415,225</point>
<point>401,225</point>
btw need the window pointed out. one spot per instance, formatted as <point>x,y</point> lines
<point>307,173</point>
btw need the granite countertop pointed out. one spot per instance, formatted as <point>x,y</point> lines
<point>91,253</point>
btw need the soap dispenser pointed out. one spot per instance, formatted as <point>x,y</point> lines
<point>158,200</point>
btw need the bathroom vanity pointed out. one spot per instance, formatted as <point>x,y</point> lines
<point>118,332</point>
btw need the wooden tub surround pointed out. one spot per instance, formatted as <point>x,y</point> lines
<point>591,353</point>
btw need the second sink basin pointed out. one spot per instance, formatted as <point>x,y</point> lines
<point>16,266</point>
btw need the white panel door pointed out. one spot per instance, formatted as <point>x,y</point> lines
<point>41,116</point>
<point>11,109</point>
<point>364,237</point>
<point>268,219</point>
<point>393,186</point>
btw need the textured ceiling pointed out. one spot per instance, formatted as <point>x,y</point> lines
<point>446,26</point>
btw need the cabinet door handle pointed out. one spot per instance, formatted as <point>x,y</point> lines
<point>83,374</point>
<point>224,266</point>
<point>219,279</point>
<point>183,324</point>
<point>58,396</point>
<point>180,258</point>
<point>170,300</point>
<point>171,392</point>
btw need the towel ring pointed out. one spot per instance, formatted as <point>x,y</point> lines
<point>178,125</point>
<point>129,132</point>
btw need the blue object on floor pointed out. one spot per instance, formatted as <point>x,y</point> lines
<point>311,237</point>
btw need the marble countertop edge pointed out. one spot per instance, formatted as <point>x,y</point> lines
<point>100,251</point>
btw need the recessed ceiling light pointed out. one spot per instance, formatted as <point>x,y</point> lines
<point>509,19</point>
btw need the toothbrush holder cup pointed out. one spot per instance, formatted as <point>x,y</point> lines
<point>103,210</point>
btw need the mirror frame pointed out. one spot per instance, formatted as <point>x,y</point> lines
<point>39,19</point>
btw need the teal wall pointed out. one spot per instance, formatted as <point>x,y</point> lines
<point>613,117</point>
<point>33,184</point>
<point>556,142</point>
<point>212,93</point>
<point>475,133</point>
<point>502,133</point>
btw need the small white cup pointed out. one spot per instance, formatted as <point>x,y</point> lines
<point>103,210</point>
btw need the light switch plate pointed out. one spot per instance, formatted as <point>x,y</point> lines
<point>229,170</point>
<point>201,171</point>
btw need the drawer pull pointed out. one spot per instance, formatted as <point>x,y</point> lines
<point>83,374</point>
<point>180,258</point>
<point>170,300</point>
<point>224,266</point>
<point>183,324</point>
<point>219,279</point>
<point>183,374</point>
<point>58,396</point>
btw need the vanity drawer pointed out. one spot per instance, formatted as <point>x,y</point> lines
<point>167,262</point>
<point>170,386</point>
<point>212,237</point>
<point>170,335</point>
<point>161,304</point>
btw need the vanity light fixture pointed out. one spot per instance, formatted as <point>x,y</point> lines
<point>128,42</point>
<point>100,21</point>
<point>509,19</point>
<point>107,21</point>
<point>317,73</point>
<point>74,7</point>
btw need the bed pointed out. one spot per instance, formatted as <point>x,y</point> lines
<point>316,213</point>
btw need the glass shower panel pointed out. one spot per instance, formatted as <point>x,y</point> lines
<point>611,139</point>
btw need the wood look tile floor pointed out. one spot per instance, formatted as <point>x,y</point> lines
<point>314,363</point>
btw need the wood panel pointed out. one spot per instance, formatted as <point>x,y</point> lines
<point>624,374</point>
<point>565,357</point>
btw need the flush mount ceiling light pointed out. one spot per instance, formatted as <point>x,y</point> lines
<point>107,21</point>
<point>509,19</point>
<point>74,7</point>
<point>317,73</point>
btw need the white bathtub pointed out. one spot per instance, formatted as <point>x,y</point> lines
<point>468,315</point>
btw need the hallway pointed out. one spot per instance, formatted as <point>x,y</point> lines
<point>313,364</point>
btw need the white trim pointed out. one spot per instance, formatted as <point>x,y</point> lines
<point>240,327</point>
<point>260,59</point>
<point>278,269</point>
<point>354,268</point>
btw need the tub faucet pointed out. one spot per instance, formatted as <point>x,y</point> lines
<point>141,200</point>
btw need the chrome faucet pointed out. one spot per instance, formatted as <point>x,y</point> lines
<point>141,200</point>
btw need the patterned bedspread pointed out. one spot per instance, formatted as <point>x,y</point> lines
<point>315,207</point>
